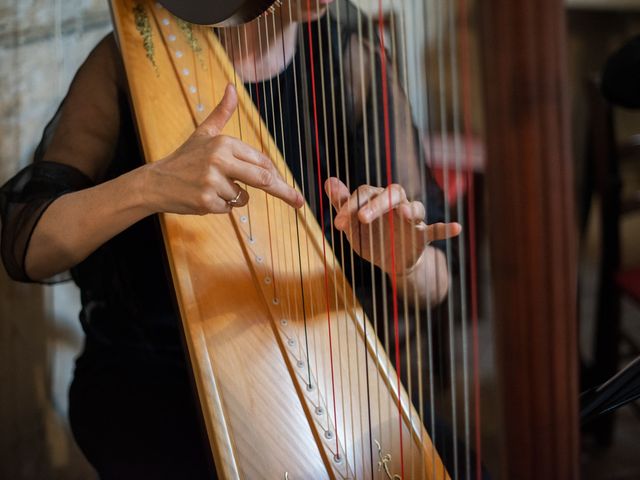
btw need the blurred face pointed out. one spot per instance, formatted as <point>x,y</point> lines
<point>303,10</point>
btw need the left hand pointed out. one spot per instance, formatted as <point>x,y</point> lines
<point>364,217</point>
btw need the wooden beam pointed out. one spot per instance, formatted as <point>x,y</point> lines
<point>532,229</point>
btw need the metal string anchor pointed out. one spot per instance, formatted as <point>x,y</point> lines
<point>383,464</point>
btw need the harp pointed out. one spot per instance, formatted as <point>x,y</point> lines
<point>292,379</point>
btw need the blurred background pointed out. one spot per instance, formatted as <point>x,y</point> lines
<point>42,43</point>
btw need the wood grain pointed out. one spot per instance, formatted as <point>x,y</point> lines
<point>533,235</point>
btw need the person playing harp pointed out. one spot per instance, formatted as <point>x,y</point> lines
<point>87,203</point>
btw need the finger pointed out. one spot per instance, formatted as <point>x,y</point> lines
<point>215,123</point>
<point>350,208</point>
<point>337,192</point>
<point>215,204</point>
<point>265,179</point>
<point>386,201</point>
<point>443,231</point>
<point>250,155</point>
<point>233,194</point>
<point>413,212</point>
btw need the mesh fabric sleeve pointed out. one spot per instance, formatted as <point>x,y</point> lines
<point>76,149</point>
<point>23,200</point>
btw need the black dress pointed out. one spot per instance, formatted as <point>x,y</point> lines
<point>132,407</point>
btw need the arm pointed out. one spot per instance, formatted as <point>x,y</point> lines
<point>428,278</point>
<point>199,178</point>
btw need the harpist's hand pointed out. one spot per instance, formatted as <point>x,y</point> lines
<point>364,215</point>
<point>200,177</point>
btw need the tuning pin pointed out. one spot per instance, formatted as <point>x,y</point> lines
<point>272,8</point>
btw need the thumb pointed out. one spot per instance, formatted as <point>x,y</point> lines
<point>337,192</point>
<point>443,231</point>
<point>215,122</point>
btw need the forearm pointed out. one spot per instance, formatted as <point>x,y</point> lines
<point>76,224</point>
<point>428,281</point>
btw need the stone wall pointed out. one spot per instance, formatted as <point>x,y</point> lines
<point>42,43</point>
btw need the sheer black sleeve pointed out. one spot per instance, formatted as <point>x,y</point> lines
<point>76,148</point>
<point>23,200</point>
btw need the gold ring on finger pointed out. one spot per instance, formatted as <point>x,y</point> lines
<point>235,202</point>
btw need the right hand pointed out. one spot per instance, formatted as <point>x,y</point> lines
<point>200,177</point>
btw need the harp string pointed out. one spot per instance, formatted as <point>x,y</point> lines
<point>367,47</point>
<point>304,97</point>
<point>277,206</point>
<point>262,84</point>
<point>397,56</point>
<point>399,68</point>
<point>327,146</point>
<point>290,273</point>
<point>322,220</point>
<point>274,125</point>
<point>328,376</point>
<point>263,112</point>
<point>422,196</point>
<point>304,211</point>
<point>282,257</point>
<point>333,235</point>
<point>350,187</point>
<point>357,65</point>
<point>430,113</point>
<point>250,224</point>
<point>374,397</point>
<point>471,227</point>
<point>235,83</point>
<point>441,16</point>
<point>354,273</point>
<point>425,122</point>
<point>457,134</point>
<point>467,132</point>
<point>389,175</point>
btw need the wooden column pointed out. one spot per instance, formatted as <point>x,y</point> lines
<point>532,228</point>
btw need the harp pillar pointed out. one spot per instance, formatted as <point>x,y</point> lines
<point>532,229</point>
